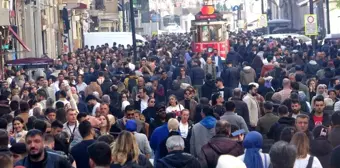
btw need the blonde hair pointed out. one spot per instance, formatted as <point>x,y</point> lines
<point>301,142</point>
<point>125,147</point>
<point>173,124</point>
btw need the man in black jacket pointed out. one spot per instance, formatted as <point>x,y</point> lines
<point>176,156</point>
<point>38,157</point>
<point>49,146</point>
<point>209,87</point>
<point>231,76</point>
<point>241,106</point>
<point>284,121</point>
<point>197,76</point>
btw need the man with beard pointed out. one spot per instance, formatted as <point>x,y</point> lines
<point>38,157</point>
<point>318,116</point>
<point>296,109</point>
<point>253,105</point>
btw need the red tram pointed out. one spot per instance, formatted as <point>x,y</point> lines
<point>209,31</point>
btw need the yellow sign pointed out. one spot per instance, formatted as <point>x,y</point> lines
<point>154,33</point>
<point>311,25</point>
<point>263,21</point>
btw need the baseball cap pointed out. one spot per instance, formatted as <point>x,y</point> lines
<point>131,125</point>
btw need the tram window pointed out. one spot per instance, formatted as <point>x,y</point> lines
<point>211,33</point>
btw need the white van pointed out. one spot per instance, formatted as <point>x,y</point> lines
<point>123,38</point>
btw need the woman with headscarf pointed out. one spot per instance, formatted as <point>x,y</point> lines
<point>253,157</point>
<point>320,90</point>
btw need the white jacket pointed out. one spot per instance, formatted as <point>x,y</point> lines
<point>254,109</point>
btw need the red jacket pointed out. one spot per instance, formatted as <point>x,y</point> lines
<point>266,68</point>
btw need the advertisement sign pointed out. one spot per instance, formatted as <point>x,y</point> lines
<point>311,25</point>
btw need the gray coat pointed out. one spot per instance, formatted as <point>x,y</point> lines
<point>304,89</point>
<point>200,136</point>
<point>235,119</point>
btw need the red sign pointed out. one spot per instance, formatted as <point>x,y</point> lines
<point>207,10</point>
<point>203,17</point>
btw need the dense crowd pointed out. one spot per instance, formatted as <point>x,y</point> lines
<point>270,103</point>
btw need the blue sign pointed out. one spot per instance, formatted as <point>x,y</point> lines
<point>155,17</point>
<point>223,7</point>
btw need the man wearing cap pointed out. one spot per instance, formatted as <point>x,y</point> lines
<point>141,139</point>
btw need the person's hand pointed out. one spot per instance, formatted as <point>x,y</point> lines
<point>241,137</point>
<point>124,120</point>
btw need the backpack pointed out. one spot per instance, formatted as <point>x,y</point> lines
<point>131,83</point>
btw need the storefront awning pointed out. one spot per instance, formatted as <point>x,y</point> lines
<point>18,38</point>
<point>305,2</point>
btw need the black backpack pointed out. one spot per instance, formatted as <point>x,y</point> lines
<point>131,83</point>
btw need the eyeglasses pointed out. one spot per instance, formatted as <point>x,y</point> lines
<point>130,114</point>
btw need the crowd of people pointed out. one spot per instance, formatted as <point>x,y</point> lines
<point>270,103</point>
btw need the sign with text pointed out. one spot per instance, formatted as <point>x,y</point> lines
<point>263,21</point>
<point>311,25</point>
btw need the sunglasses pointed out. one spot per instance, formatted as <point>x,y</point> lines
<point>130,114</point>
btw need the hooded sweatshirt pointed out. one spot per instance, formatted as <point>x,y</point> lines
<point>208,88</point>
<point>247,75</point>
<point>218,145</point>
<point>311,68</point>
<point>202,132</point>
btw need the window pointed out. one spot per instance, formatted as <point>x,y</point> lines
<point>211,33</point>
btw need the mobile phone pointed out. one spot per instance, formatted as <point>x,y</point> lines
<point>238,132</point>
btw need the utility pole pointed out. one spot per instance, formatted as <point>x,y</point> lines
<point>328,19</point>
<point>311,11</point>
<point>123,10</point>
<point>133,31</point>
<point>262,6</point>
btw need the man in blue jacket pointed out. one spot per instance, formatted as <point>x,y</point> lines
<point>159,135</point>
